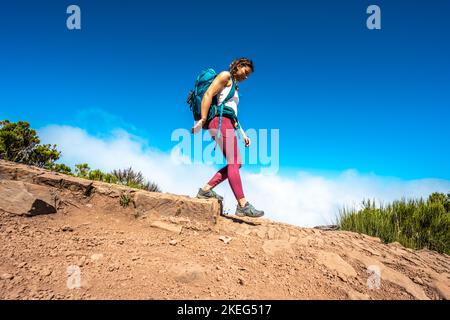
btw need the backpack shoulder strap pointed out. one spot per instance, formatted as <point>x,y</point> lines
<point>221,107</point>
<point>232,91</point>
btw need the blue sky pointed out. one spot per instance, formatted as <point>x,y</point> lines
<point>344,97</point>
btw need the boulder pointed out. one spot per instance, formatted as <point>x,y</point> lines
<point>155,204</point>
<point>64,181</point>
<point>15,171</point>
<point>22,198</point>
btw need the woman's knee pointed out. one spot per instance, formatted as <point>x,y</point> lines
<point>234,167</point>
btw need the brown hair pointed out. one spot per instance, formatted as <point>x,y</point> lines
<point>238,63</point>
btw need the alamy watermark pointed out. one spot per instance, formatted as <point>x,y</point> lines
<point>374,20</point>
<point>374,279</point>
<point>264,148</point>
<point>73,21</point>
<point>73,277</point>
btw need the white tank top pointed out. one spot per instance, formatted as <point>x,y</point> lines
<point>233,102</point>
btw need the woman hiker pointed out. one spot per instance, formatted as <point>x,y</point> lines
<point>217,92</point>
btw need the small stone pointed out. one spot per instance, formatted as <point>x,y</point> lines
<point>81,261</point>
<point>7,276</point>
<point>96,256</point>
<point>120,242</point>
<point>225,239</point>
<point>113,268</point>
<point>342,277</point>
<point>70,253</point>
<point>46,272</point>
<point>241,281</point>
<point>9,230</point>
<point>173,242</point>
<point>167,226</point>
<point>67,229</point>
<point>418,280</point>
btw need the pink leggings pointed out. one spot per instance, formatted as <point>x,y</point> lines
<point>229,146</point>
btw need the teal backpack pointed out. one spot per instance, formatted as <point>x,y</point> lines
<point>204,80</point>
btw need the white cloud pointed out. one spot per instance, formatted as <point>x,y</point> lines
<point>303,199</point>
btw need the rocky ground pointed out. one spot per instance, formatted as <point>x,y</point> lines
<point>91,247</point>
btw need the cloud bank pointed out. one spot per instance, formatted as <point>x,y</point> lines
<point>304,199</point>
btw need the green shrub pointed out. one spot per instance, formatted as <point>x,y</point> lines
<point>20,143</point>
<point>130,178</point>
<point>62,168</point>
<point>125,200</point>
<point>82,170</point>
<point>414,223</point>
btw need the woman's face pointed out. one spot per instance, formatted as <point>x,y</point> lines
<point>243,73</point>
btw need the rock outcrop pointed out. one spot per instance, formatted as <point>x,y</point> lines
<point>29,190</point>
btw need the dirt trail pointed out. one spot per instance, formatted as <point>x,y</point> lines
<point>124,255</point>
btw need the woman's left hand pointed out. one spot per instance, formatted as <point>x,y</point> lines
<point>247,141</point>
<point>198,126</point>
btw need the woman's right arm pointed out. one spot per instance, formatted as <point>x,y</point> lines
<point>218,84</point>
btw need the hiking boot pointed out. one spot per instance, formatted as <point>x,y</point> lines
<point>210,194</point>
<point>248,211</point>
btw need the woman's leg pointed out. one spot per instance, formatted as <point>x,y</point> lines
<point>219,177</point>
<point>230,149</point>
